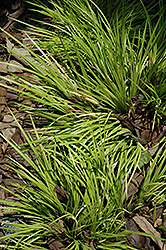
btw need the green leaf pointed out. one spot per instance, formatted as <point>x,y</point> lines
<point>145,158</point>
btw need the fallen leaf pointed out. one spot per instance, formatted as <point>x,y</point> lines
<point>13,67</point>
<point>2,91</point>
<point>8,118</point>
<point>21,53</point>
<point>55,245</point>
<point>17,136</point>
<point>3,68</point>
<point>135,183</point>
<point>2,94</point>
<point>8,133</point>
<point>2,100</point>
<point>4,125</point>
<point>149,229</point>
<point>135,240</point>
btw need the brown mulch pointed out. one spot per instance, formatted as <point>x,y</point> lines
<point>140,125</point>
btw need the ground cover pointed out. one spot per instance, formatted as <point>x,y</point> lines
<point>97,85</point>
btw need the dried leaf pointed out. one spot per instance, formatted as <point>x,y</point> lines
<point>8,133</point>
<point>17,136</point>
<point>2,91</point>
<point>13,69</point>
<point>135,240</point>
<point>55,245</point>
<point>3,68</point>
<point>149,229</point>
<point>2,100</point>
<point>135,184</point>
<point>4,125</point>
<point>23,53</point>
<point>8,118</point>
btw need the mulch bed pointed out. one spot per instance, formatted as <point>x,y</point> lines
<point>141,127</point>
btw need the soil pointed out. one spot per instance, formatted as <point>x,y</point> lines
<point>141,127</point>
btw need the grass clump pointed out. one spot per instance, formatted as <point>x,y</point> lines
<point>79,198</point>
